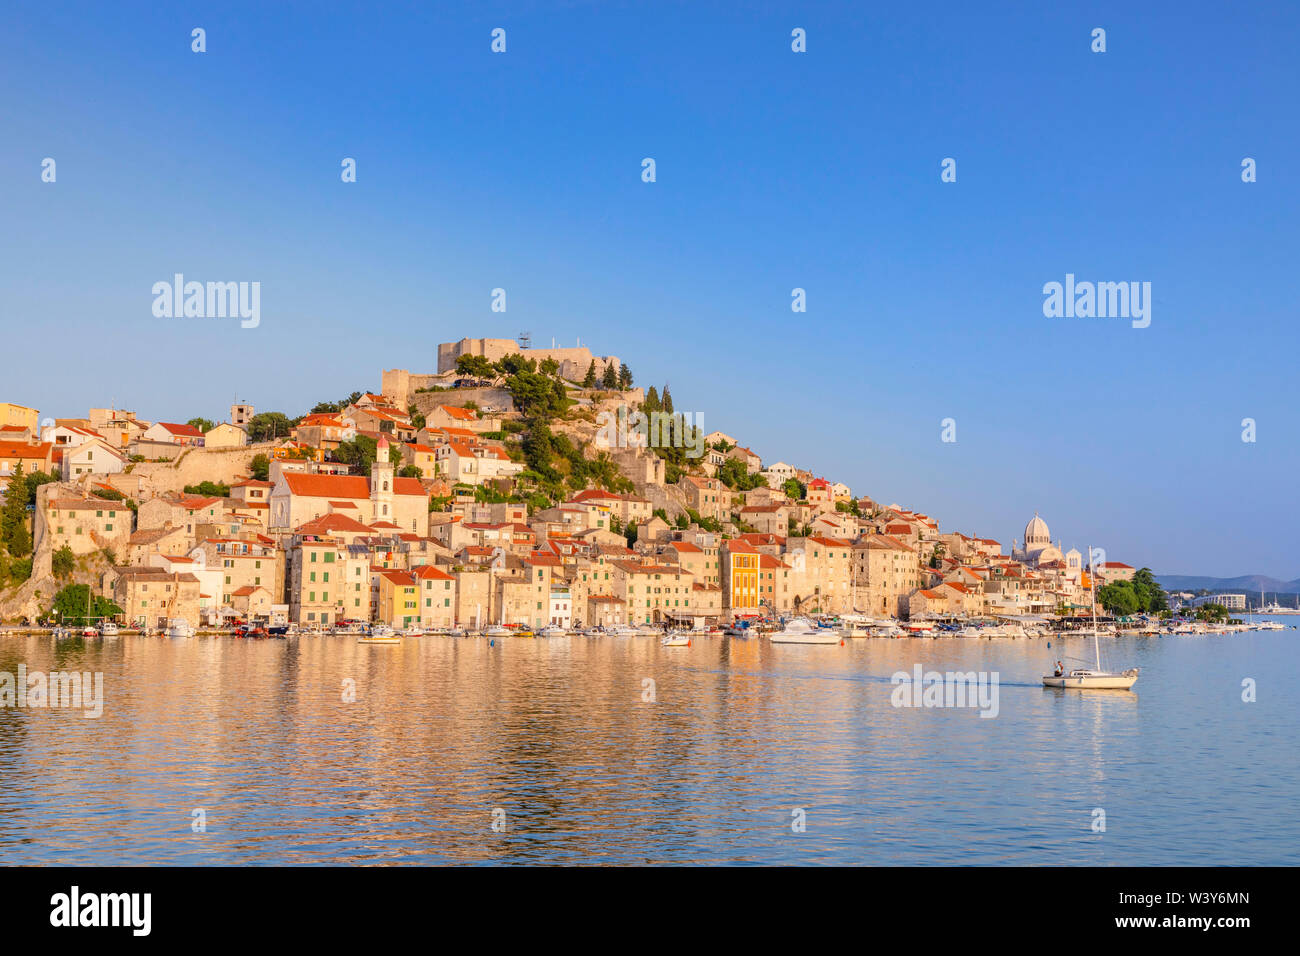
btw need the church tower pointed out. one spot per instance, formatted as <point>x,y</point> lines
<point>381,483</point>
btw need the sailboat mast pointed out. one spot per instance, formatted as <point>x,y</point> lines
<point>1092,591</point>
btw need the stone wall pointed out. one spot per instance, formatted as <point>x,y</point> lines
<point>574,361</point>
<point>221,465</point>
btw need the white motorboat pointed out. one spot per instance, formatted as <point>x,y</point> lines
<point>179,627</point>
<point>552,630</point>
<point>856,625</point>
<point>1091,679</point>
<point>380,634</point>
<point>800,630</point>
<point>108,629</point>
<point>676,639</point>
<point>623,630</point>
<point>413,630</point>
<point>497,630</point>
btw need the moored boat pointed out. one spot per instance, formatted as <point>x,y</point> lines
<point>380,634</point>
<point>800,630</point>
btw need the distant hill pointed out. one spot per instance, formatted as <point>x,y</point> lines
<point>1245,582</point>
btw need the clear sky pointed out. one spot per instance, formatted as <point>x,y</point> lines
<point>775,170</point>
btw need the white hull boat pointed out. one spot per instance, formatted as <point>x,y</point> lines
<point>180,628</point>
<point>803,631</point>
<point>383,634</point>
<point>552,631</point>
<point>676,640</point>
<point>1091,679</point>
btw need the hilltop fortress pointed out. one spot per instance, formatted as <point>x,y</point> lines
<point>400,384</point>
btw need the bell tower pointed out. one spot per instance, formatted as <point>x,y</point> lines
<point>381,483</point>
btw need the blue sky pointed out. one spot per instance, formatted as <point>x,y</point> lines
<point>775,170</point>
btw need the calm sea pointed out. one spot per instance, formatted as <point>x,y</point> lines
<point>748,753</point>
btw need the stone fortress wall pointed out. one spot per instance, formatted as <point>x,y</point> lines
<point>574,361</point>
<point>401,385</point>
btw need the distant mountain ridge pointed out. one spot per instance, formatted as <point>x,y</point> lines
<point>1245,582</point>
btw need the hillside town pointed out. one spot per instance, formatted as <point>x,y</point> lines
<point>515,485</point>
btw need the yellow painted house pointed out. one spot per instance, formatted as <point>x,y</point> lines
<point>399,599</point>
<point>741,593</point>
<point>20,415</point>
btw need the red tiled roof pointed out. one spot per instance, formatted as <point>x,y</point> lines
<point>188,431</point>
<point>345,486</point>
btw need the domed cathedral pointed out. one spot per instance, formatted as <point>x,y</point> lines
<point>1038,548</point>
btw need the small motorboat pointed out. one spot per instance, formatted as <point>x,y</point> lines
<point>413,630</point>
<point>380,634</point>
<point>552,630</point>
<point>108,629</point>
<point>497,630</point>
<point>179,627</point>
<point>800,630</point>
<point>89,631</point>
<point>524,632</point>
<point>676,639</point>
<point>458,632</point>
<point>622,630</point>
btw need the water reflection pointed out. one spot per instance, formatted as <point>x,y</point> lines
<point>740,735</point>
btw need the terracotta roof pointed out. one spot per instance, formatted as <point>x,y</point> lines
<point>464,414</point>
<point>344,486</point>
<point>188,431</point>
<point>22,449</point>
<point>332,524</point>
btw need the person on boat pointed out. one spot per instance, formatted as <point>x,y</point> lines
<point>1060,669</point>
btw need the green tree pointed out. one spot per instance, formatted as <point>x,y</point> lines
<point>260,468</point>
<point>268,426</point>
<point>1119,598</point>
<point>651,403</point>
<point>549,367</point>
<point>202,424</point>
<point>630,533</point>
<point>34,481</point>
<point>475,366</point>
<point>610,379</point>
<point>76,607</point>
<point>63,562</point>
<point>1213,613</point>
<point>13,516</point>
<point>209,489</point>
<point>794,488</point>
<point>624,377</point>
<point>589,380</point>
<point>667,400</point>
<point>409,471</point>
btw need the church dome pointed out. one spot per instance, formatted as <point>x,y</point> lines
<point>1036,533</point>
